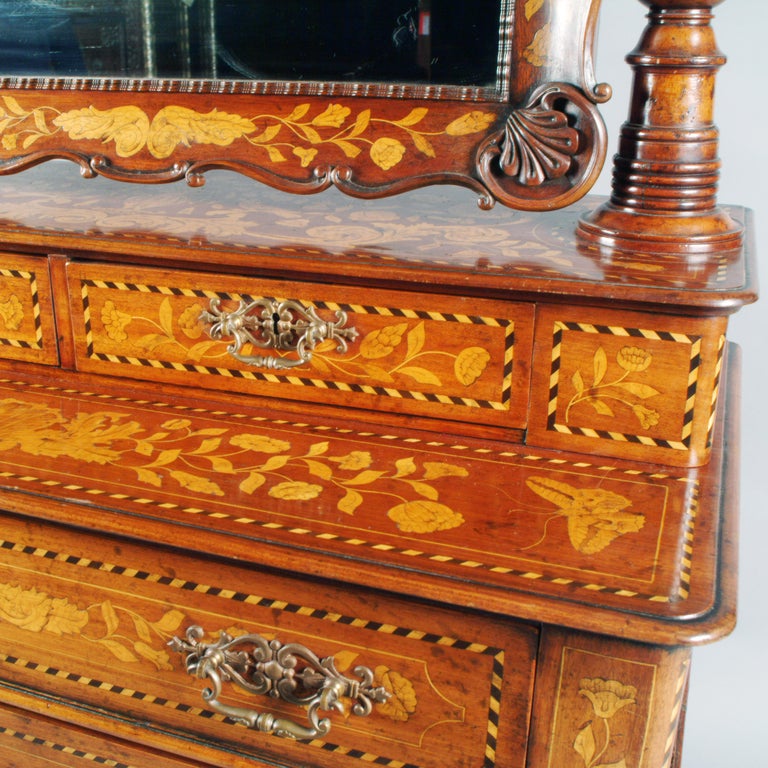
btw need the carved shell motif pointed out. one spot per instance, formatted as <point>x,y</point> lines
<point>538,145</point>
<point>549,152</point>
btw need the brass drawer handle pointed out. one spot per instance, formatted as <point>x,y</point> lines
<point>270,324</point>
<point>290,672</point>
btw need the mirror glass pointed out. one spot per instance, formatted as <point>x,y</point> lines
<point>450,42</point>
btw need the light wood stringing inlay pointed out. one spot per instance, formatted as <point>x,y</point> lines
<point>309,379</point>
<point>589,699</point>
<point>443,356</point>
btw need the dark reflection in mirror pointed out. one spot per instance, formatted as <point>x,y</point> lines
<point>450,42</point>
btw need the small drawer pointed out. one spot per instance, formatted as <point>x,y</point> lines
<point>633,385</point>
<point>449,357</point>
<point>89,619</point>
<point>27,328</point>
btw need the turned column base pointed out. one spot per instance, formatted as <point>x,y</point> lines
<point>664,190</point>
<point>699,233</point>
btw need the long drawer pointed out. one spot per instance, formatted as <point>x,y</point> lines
<point>422,512</point>
<point>451,357</point>
<point>88,619</point>
<point>28,740</point>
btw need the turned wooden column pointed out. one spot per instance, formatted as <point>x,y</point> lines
<point>666,171</point>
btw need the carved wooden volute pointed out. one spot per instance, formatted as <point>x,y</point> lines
<point>666,171</point>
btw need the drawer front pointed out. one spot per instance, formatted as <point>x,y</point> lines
<point>486,518</point>
<point>27,328</point>
<point>609,698</point>
<point>626,384</point>
<point>450,357</point>
<point>28,740</point>
<point>90,620</point>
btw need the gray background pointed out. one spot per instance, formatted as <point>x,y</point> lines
<point>727,711</point>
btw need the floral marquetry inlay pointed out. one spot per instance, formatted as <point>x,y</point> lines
<point>127,635</point>
<point>194,459</point>
<point>620,391</point>
<point>385,354</point>
<point>275,646</point>
<point>521,127</point>
<point>625,384</point>
<point>427,358</point>
<point>604,709</point>
<point>435,232</point>
<point>298,135</point>
<point>524,516</point>
<point>11,312</point>
<point>26,313</point>
<point>607,697</point>
<point>197,460</point>
<point>132,638</point>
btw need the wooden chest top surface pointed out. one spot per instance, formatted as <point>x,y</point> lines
<point>436,240</point>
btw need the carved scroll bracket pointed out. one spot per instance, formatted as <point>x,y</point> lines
<point>549,153</point>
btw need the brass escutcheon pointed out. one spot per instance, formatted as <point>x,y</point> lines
<point>290,672</point>
<point>280,325</point>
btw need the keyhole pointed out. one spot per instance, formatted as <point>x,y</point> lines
<point>276,323</point>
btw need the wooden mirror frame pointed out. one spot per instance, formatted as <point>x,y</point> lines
<point>534,142</point>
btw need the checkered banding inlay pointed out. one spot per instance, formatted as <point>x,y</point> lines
<point>715,390</point>
<point>85,284</point>
<point>63,749</point>
<point>553,425</point>
<point>31,279</point>
<point>686,564</point>
<point>284,377</point>
<point>517,574</point>
<point>677,707</point>
<point>497,675</point>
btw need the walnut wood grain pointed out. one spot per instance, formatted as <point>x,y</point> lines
<point>429,240</point>
<point>516,502</point>
<point>612,702</point>
<point>451,681</point>
<point>36,740</point>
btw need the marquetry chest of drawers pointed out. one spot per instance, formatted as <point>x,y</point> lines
<point>349,483</point>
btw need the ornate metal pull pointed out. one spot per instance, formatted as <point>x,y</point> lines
<point>289,672</point>
<point>269,324</point>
